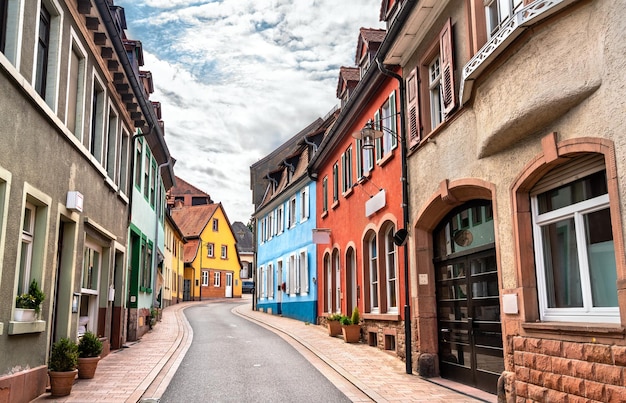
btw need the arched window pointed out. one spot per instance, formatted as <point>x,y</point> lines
<point>391,271</point>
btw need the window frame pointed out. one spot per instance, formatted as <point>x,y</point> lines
<point>205,278</point>
<point>215,225</point>
<point>586,313</point>
<point>210,249</point>
<point>304,205</point>
<point>217,278</point>
<point>325,194</point>
<point>224,252</point>
<point>391,260</point>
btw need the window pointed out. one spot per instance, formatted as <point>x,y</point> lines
<point>388,124</point>
<point>304,204</point>
<point>263,281</point>
<point>153,182</point>
<point>346,170</point>
<point>3,23</point>
<point>291,214</point>
<point>302,279</point>
<point>439,96</point>
<point>215,225</point>
<point>146,277</point>
<point>379,141</point>
<point>43,48</point>
<point>373,274</point>
<point>280,219</point>
<point>434,89</point>
<point>574,249</point>
<point>337,271</point>
<point>392,273</point>
<point>111,145</point>
<point>122,170</point>
<point>499,12</point>
<point>205,278</point>
<point>325,194</point>
<point>28,235</point>
<point>91,268</point>
<point>76,91</point>
<point>293,282</point>
<point>97,119</point>
<point>146,174</point>
<point>217,278</point>
<point>270,280</point>
<point>138,157</point>
<point>335,182</point>
<point>210,249</point>
<point>328,280</point>
<point>224,251</point>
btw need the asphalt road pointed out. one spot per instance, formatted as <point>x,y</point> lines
<point>234,360</point>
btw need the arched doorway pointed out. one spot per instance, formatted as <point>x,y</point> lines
<point>467,295</point>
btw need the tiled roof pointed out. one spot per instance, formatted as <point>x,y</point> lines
<point>244,237</point>
<point>191,249</point>
<point>373,35</point>
<point>192,219</point>
<point>347,75</point>
<point>183,187</point>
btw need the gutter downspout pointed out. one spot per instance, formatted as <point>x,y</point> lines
<point>405,214</point>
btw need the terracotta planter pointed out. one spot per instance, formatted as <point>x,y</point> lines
<point>61,382</point>
<point>351,333</point>
<point>87,367</point>
<point>334,328</point>
<point>24,315</point>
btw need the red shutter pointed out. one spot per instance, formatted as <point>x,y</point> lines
<point>447,68</point>
<point>413,108</point>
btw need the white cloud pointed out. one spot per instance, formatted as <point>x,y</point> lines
<point>237,78</point>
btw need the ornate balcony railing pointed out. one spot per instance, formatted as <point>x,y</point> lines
<point>524,18</point>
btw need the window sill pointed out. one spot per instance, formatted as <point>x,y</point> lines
<point>576,329</point>
<point>382,316</point>
<point>335,204</point>
<point>38,326</point>
<point>385,159</point>
<point>348,192</point>
<point>324,214</point>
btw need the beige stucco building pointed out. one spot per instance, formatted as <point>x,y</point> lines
<point>515,119</point>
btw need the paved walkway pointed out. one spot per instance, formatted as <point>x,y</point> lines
<point>142,371</point>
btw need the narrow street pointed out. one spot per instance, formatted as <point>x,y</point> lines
<point>232,360</point>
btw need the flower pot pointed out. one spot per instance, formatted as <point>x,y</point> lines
<point>61,382</point>
<point>351,333</point>
<point>87,367</point>
<point>24,315</point>
<point>334,328</point>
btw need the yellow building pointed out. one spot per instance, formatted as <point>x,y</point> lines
<point>173,266</point>
<point>211,262</point>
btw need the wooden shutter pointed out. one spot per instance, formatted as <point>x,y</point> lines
<point>447,68</point>
<point>413,109</point>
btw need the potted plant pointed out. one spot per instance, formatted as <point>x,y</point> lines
<point>350,327</point>
<point>62,366</point>
<point>89,349</point>
<point>334,326</point>
<point>27,305</point>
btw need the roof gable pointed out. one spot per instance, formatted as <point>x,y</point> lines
<point>193,219</point>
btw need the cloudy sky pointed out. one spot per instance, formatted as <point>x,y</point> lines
<point>237,78</point>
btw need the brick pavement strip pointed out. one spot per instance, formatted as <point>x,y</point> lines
<point>142,371</point>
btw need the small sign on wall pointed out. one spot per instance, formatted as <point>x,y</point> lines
<point>375,203</point>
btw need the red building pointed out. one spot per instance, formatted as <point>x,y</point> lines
<point>359,202</point>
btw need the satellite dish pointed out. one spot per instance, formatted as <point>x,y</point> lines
<point>400,237</point>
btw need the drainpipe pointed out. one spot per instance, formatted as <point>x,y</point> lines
<point>405,214</point>
<point>311,144</point>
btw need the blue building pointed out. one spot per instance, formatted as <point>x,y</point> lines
<point>286,269</point>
